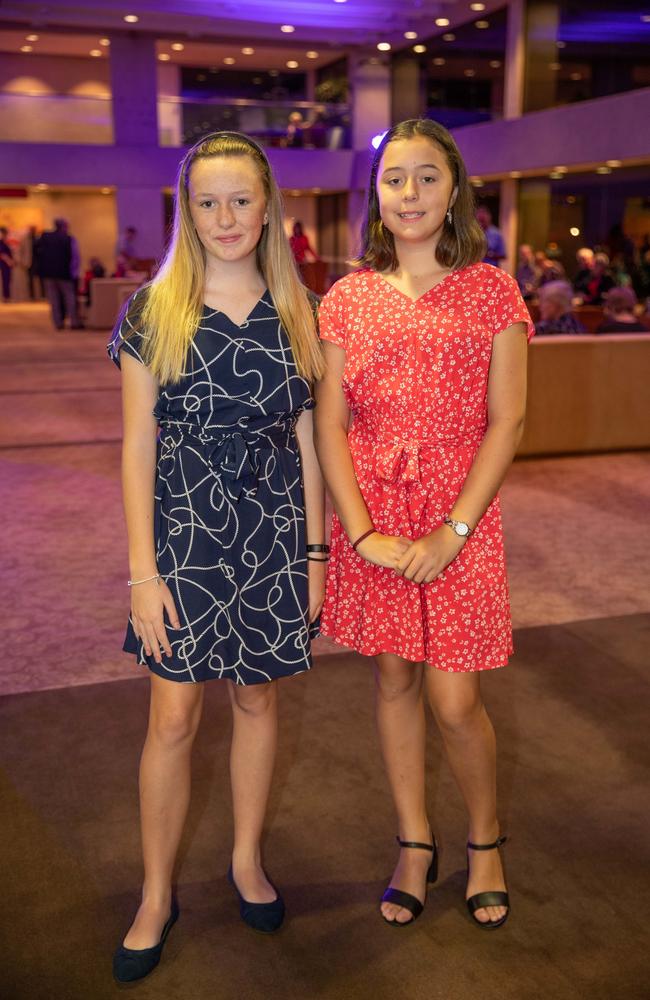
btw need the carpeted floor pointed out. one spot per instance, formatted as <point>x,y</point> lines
<point>570,715</point>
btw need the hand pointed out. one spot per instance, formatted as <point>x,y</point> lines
<point>148,602</point>
<point>383,550</point>
<point>426,558</point>
<point>316,573</point>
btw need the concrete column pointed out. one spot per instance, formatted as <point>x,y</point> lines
<point>509,221</point>
<point>370,97</point>
<point>134,89</point>
<point>406,97</point>
<point>142,207</point>
<point>515,61</point>
<point>535,212</point>
<point>541,31</point>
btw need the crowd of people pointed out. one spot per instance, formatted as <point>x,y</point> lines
<point>618,281</point>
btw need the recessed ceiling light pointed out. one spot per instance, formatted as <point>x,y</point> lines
<point>477,6</point>
<point>107,190</point>
<point>340,1</point>
<point>482,24</point>
<point>292,64</point>
<point>384,46</point>
<point>419,49</point>
<point>449,37</point>
<point>104,41</point>
<point>495,63</point>
<point>164,57</point>
<point>603,170</point>
<point>248,51</point>
<point>287,28</point>
<point>312,54</point>
<point>613,163</point>
<point>177,46</point>
<point>42,187</point>
<point>439,61</point>
<point>559,170</point>
<point>96,53</point>
<point>131,18</point>
<point>229,61</point>
<point>31,38</point>
<point>442,22</point>
<point>476,181</point>
<point>410,35</point>
<point>515,174</point>
<point>574,231</point>
<point>470,72</point>
<point>25,48</point>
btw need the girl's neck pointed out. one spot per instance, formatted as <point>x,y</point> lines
<point>418,262</point>
<point>233,277</point>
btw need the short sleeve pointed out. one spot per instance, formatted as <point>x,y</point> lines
<point>509,306</point>
<point>331,326</point>
<point>125,333</point>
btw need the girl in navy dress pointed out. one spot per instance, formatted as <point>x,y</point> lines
<point>224,506</point>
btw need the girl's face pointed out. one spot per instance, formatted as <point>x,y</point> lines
<point>227,205</point>
<point>415,189</point>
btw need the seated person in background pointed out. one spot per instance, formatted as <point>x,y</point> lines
<point>95,270</point>
<point>528,273</point>
<point>601,281</point>
<point>549,270</point>
<point>585,258</point>
<point>619,313</point>
<point>555,299</point>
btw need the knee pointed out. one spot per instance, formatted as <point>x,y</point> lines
<point>253,700</point>
<point>173,727</point>
<point>394,684</point>
<point>458,716</point>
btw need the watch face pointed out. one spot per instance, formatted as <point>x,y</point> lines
<point>462,528</point>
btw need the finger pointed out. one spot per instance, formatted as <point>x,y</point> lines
<point>152,646</point>
<point>406,560</point>
<point>162,637</point>
<point>170,608</point>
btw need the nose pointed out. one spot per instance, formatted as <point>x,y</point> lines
<point>410,190</point>
<point>225,217</point>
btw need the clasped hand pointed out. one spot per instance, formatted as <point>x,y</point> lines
<point>149,601</point>
<point>420,561</point>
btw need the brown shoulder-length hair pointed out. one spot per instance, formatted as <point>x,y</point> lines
<point>461,243</point>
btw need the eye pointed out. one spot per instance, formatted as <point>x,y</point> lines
<point>242,202</point>
<point>393,181</point>
<point>206,204</point>
<point>428,179</point>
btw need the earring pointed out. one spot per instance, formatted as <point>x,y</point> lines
<point>266,220</point>
<point>449,217</point>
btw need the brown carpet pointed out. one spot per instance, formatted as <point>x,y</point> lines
<point>572,726</point>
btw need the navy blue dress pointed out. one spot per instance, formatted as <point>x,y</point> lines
<point>229,509</point>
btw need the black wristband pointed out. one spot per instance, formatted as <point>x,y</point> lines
<point>318,548</point>
<point>317,559</point>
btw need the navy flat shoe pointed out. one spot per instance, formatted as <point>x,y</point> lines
<point>131,964</point>
<point>263,917</point>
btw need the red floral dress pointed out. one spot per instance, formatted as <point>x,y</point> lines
<point>415,380</point>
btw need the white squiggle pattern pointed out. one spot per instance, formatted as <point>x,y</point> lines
<point>229,511</point>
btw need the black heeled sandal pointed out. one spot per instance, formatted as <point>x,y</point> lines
<point>131,964</point>
<point>405,899</point>
<point>263,917</point>
<point>482,899</point>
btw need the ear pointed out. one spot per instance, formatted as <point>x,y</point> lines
<point>454,195</point>
<point>265,220</point>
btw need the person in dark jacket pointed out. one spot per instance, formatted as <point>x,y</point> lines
<point>6,264</point>
<point>57,261</point>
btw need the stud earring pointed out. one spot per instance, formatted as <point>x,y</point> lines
<point>449,217</point>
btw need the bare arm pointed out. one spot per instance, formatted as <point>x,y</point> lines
<point>506,399</point>
<point>331,438</point>
<point>139,394</point>
<point>314,493</point>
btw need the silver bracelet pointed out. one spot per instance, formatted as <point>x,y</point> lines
<point>134,583</point>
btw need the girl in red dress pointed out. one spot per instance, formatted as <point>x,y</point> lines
<point>418,419</point>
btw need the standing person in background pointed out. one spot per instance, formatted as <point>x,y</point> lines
<point>496,247</point>
<point>601,281</point>
<point>426,350</point>
<point>57,259</point>
<point>6,264</point>
<point>300,245</point>
<point>127,245</point>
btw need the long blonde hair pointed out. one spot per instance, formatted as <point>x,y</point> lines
<point>173,303</point>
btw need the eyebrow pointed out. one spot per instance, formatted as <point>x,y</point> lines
<point>210,194</point>
<point>420,166</point>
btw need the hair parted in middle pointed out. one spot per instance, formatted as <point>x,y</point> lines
<point>173,305</point>
<point>461,242</point>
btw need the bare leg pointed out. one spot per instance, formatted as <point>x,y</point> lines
<point>471,748</point>
<point>174,715</point>
<point>252,757</point>
<point>401,726</point>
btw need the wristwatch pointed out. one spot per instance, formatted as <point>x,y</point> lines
<point>461,528</point>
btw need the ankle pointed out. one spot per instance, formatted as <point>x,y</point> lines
<point>156,899</point>
<point>486,833</point>
<point>246,857</point>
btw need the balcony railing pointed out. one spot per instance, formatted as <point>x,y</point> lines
<point>49,118</point>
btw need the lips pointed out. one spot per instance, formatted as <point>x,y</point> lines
<point>410,216</point>
<point>228,239</point>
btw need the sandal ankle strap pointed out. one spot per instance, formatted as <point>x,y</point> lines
<point>414,843</point>
<point>487,847</point>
